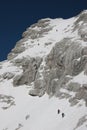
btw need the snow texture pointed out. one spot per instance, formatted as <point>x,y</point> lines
<point>44,73</point>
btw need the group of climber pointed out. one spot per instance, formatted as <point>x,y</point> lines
<point>59,113</point>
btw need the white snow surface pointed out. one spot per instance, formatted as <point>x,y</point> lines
<point>58,32</point>
<point>40,113</point>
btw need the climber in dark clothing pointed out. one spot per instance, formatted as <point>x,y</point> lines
<point>63,115</point>
<point>58,111</point>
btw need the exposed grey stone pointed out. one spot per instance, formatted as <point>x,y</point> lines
<point>18,62</point>
<point>63,56</point>
<point>21,42</point>
<point>64,95</point>
<point>82,94</point>
<point>71,59</point>
<point>85,70</point>
<point>36,92</point>
<point>8,100</point>
<point>20,80</point>
<point>73,101</point>
<point>78,66</point>
<point>84,51</point>
<point>74,87</point>
<point>33,34</point>
<point>81,27</point>
<point>11,56</point>
<point>41,23</point>
<point>14,52</point>
<point>48,43</point>
<point>62,61</point>
<point>67,59</point>
<point>8,75</point>
<point>82,17</point>
<point>59,94</point>
<point>30,67</point>
<point>84,86</point>
<point>18,49</point>
<point>81,121</point>
<point>82,31</point>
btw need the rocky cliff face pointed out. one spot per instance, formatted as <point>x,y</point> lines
<point>58,69</point>
<point>51,58</point>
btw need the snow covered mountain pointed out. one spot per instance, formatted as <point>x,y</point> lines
<point>43,82</point>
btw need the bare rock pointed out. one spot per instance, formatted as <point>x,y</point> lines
<point>8,75</point>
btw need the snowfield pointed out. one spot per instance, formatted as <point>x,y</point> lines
<point>34,113</point>
<point>38,59</point>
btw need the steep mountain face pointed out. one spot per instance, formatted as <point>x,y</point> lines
<point>49,61</point>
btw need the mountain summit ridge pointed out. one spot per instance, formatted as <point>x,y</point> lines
<point>49,61</point>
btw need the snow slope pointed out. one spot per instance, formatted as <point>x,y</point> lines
<point>38,113</point>
<point>19,110</point>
